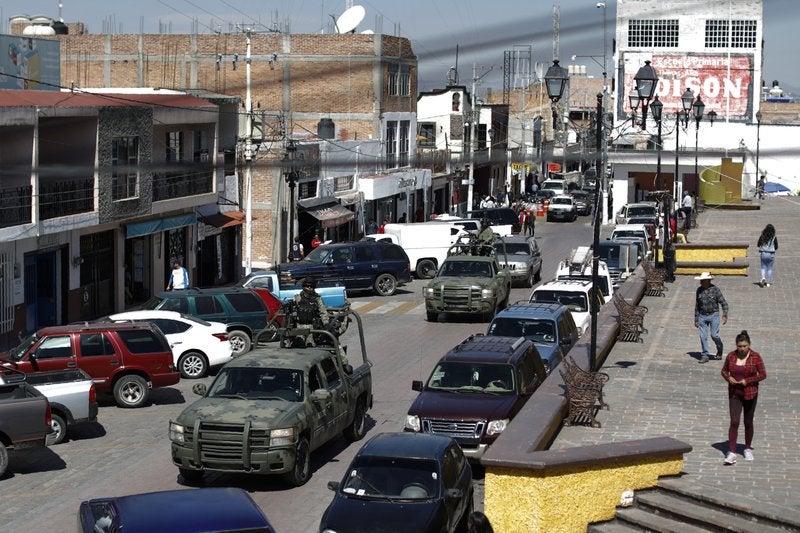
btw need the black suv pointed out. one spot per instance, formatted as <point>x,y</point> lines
<point>242,310</point>
<point>498,216</point>
<point>363,265</point>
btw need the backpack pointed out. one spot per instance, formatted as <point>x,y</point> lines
<point>296,255</point>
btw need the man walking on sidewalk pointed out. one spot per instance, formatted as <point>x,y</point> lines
<point>706,314</point>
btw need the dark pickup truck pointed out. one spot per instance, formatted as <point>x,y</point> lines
<point>24,418</point>
<point>475,390</point>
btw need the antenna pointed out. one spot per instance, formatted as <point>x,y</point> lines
<point>350,19</point>
<point>556,30</point>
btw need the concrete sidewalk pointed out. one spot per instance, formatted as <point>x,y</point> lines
<point>657,388</point>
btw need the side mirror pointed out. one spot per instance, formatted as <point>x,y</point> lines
<point>453,494</point>
<point>333,485</point>
<point>320,395</point>
<point>200,389</point>
<point>416,385</point>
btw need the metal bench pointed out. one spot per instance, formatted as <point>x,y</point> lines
<point>631,319</point>
<point>584,392</point>
<point>654,278</point>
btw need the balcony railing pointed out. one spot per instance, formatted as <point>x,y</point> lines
<point>184,180</point>
<point>15,206</point>
<point>63,198</point>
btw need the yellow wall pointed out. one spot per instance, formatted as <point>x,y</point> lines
<point>722,184</point>
<point>566,499</point>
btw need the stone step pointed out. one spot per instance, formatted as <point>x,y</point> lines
<point>699,513</point>
<point>649,521</point>
<point>612,526</point>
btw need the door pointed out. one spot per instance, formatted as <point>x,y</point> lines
<point>52,353</point>
<point>341,265</point>
<point>96,278</point>
<point>338,400</point>
<point>99,357</point>
<point>365,266</point>
<point>323,427</point>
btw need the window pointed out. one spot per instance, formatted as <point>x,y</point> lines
<point>734,33</point>
<point>404,82</point>
<point>402,156</point>
<point>124,167</point>
<point>364,253</point>
<point>482,138</point>
<point>207,305</point>
<point>427,134</point>
<point>54,348</point>
<point>331,372</point>
<point>143,341</point>
<point>343,183</point>
<point>394,72</point>
<point>174,144</point>
<point>180,305</point>
<point>653,33</point>
<point>95,344</point>
<point>391,143</point>
<point>392,252</point>
<point>245,302</point>
<point>398,80</point>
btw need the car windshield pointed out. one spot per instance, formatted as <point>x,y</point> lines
<point>511,248</point>
<point>557,200</point>
<point>466,269</point>
<point>641,220</point>
<point>152,303</point>
<point>469,377</point>
<point>392,478</point>
<point>16,353</point>
<point>574,301</point>
<point>641,211</point>
<point>537,330</point>
<point>253,383</point>
<point>318,255</point>
<point>623,234</point>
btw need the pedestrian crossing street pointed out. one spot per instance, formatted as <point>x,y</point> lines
<point>388,307</point>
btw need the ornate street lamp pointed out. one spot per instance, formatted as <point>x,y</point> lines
<point>697,108</point>
<point>646,80</point>
<point>290,175</point>
<point>555,80</point>
<point>758,150</point>
<point>657,108</point>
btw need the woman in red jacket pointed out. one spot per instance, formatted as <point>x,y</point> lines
<point>743,370</point>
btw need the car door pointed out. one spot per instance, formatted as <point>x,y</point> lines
<point>209,308</point>
<point>340,266</point>
<point>323,427</point>
<point>536,254</point>
<point>455,475</point>
<point>53,352</point>
<point>339,402</point>
<point>99,357</point>
<point>366,266</point>
<point>174,331</point>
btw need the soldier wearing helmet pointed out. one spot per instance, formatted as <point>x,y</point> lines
<point>311,311</point>
<point>486,235</point>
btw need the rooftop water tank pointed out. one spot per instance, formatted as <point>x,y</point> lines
<point>326,129</point>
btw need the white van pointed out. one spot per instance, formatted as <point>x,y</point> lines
<point>425,243</point>
<point>559,186</point>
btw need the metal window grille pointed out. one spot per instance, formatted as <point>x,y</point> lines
<point>6,291</point>
<point>733,34</point>
<point>393,79</point>
<point>391,144</point>
<point>653,33</point>
<point>125,167</point>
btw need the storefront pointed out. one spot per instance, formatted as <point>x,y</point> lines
<point>397,196</point>
<point>219,245</point>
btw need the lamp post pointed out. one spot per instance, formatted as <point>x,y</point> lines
<point>290,175</point>
<point>697,108</point>
<point>758,147</point>
<point>555,80</point>
<point>657,108</point>
<point>646,80</point>
<point>681,117</point>
<point>595,307</point>
<point>601,173</point>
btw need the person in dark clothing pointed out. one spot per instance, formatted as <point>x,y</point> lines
<point>310,310</point>
<point>708,301</point>
<point>296,251</point>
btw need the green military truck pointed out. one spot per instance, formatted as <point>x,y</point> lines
<point>468,283</point>
<point>266,411</point>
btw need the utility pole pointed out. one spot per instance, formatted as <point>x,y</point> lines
<point>473,128</point>
<point>249,153</point>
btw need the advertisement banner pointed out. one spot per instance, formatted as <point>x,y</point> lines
<point>29,63</point>
<point>723,81</point>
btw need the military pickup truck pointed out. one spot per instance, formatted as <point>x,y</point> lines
<point>266,411</point>
<point>24,418</point>
<point>468,283</point>
<point>71,393</point>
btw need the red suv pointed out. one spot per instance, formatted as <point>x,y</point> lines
<point>124,359</point>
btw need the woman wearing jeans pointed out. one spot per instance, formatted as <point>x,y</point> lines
<point>767,246</point>
<point>743,370</point>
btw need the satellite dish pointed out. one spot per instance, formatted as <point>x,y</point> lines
<point>367,32</point>
<point>351,18</point>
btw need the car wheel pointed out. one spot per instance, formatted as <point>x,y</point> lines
<point>131,391</point>
<point>426,269</point>
<point>538,276</point>
<point>531,279</point>
<point>358,427</point>
<point>302,465</point>
<point>192,365</point>
<point>3,459</point>
<point>385,284</point>
<point>59,426</point>
<point>463,523</point>
<point>191,476</point>
<point>240,342</point>
<point>432,316</point>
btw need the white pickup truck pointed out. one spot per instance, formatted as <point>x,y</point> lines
<point>71,395</point>
<point>579,266</point>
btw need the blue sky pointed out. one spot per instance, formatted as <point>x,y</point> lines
<point>482,30</point>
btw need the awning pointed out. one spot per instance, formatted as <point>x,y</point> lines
<point>224,220</point>
<point>332,215</point>
<point>148,227</point>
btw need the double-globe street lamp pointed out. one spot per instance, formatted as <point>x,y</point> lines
<point>290,174</point>
<point>555,80</point>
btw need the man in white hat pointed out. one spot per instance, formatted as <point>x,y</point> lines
<point>706,314</point>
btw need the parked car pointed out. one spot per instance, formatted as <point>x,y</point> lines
<point>562,207</point>
<point>243,311</point>
<point>71,394</point>
<point>521,257</point>
<point>178,511</point>
<point>403,482</point>
<point>633,231</point>
<point>640,209</point>
<point>501,217</point>
<point>583,202</point>
<point>621,259</point>
<point>333,295</point>
<point>543,195</point>
<point>196,344</point>
<point>557,186</point>
<point>126,360</point>
<point>575,294</point>
<point>651,224</point>
<point>550,326</point>
<point>25,419</point>
<point>364,265</point>
<point>475,390</point>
